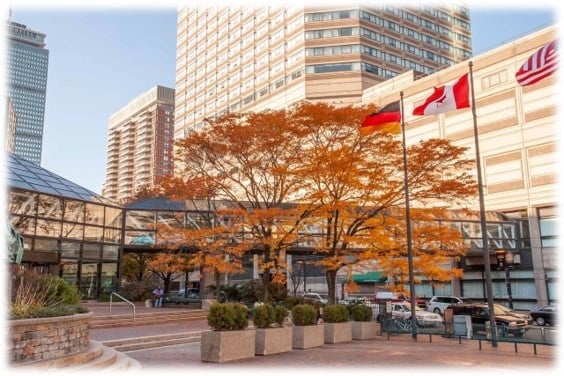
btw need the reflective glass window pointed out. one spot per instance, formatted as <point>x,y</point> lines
<point>108,277</point>
<point>69,271</point>
<point>140,220</point>
<point>94,214</point>
<point>24,225</point>
<point>70,249</point>
<point>74,211</point>
<point>110,252</point>
<point>140,237</point>
<point>113,217</point>
<point>49,207</point>
<point>72,230</point>
<point>171,219</point>
<point>22,203</point>
<point>112,235</point>
<point>91,251</point>
<point>48,228</point>
<point>93,233</point>
<point>46,245</point>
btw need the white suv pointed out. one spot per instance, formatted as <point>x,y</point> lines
<point>439,303</point>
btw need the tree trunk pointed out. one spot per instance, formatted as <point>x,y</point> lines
<point>331,277</point>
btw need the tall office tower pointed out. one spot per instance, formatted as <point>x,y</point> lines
<point>252,58</point>
<point>27,66</point>
<point>140,138</point>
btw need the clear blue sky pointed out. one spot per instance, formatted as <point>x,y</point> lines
<point>102,58</point>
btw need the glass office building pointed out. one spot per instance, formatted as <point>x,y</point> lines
<point>67,230</point>
<point>27,65</point>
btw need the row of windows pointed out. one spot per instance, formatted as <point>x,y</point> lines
<point>360,48</point>
<point>344,14</point>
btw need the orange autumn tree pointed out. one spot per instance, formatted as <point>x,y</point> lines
<point>358,183</point>
<point>307,169</point>
<point>169,265</point>
<point>250,159</point>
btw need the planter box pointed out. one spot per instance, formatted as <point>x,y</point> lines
<point>226,346</point>
<point>364,329</point>
<point>337,332</point>
<point>305,337</point>
<point>273,340</point>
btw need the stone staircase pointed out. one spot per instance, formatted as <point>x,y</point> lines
<point>100,322</point>
<point>95,357</point>
<point>140,343</point>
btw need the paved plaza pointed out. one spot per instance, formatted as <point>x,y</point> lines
<point>400,354</point>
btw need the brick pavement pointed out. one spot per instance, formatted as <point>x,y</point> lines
<point>400,352</point>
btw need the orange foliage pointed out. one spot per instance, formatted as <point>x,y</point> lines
<point>340,184</point>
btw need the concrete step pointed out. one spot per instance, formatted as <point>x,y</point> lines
<point>109,360</point>
<point>100,322</point>
<point>147,342</point>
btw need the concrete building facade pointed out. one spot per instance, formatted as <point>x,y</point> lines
<point>140,144</point>
<point>518,144</point>
<point>253,58</point>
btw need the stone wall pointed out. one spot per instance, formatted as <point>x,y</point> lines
<point>32,340</point>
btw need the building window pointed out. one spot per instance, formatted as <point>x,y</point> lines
<point>548,226</point>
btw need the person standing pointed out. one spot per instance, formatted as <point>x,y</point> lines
<point>158,295</point>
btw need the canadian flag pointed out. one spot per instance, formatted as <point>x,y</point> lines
<point>446,98</point>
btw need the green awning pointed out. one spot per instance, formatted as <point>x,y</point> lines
<point>370,277</point>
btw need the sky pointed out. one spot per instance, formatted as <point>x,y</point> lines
<point>105,54</point>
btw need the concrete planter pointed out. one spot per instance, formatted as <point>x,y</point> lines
<point>305,337</point>
<point>226,346</point>
<point>337,332</point>
<point>364,330</point>
<point>273,340</point>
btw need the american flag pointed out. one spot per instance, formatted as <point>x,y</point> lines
<point>541,64</point>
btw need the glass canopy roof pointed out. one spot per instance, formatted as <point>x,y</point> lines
<point>26,175</point>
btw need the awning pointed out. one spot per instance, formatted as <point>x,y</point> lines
<point>370,277</point>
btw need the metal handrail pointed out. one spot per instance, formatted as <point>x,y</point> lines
<point>125,300</point>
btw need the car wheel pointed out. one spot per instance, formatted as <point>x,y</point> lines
<point>437,310</point>
<point>540,321</point>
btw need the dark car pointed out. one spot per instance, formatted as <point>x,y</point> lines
<point>545,315</point>
<point>512,323</point>
<point>182,297</point>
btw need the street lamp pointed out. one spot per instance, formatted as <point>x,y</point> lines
<point>505,260</point>
<point>303,264</point>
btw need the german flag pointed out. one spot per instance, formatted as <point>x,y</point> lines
<point>387,119</point>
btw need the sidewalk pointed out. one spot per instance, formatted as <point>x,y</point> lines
<point>400,352</point>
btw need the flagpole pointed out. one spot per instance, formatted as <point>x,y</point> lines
<point>408,226</point>
<point>485,248</point>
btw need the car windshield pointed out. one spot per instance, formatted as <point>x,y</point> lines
<point>408,306</point>
<point>501,310</point>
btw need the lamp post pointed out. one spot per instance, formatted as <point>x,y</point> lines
<point>505,260</point>
<point>303,264</point>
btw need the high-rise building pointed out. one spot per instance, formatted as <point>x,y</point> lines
<point>252,58</point>
<point>10,126</point>
<point>27,66</point>
<point>140,138</point>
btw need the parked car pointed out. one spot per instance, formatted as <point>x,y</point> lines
<point>439,303</point>
<point>314,297</point>
<point>182,297</point>
<point>402,310</point>
<point>384,296</point>
<point>480,313</point>
<point>546,315</point>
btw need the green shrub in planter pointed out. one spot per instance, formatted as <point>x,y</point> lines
<point>263,315</point>
<point>361,312</point>
<point>227,316</point>
<point>304,314</point>
<point>280,314</point>
<point>336,313</point>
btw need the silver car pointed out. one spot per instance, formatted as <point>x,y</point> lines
<point>402,310</point>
